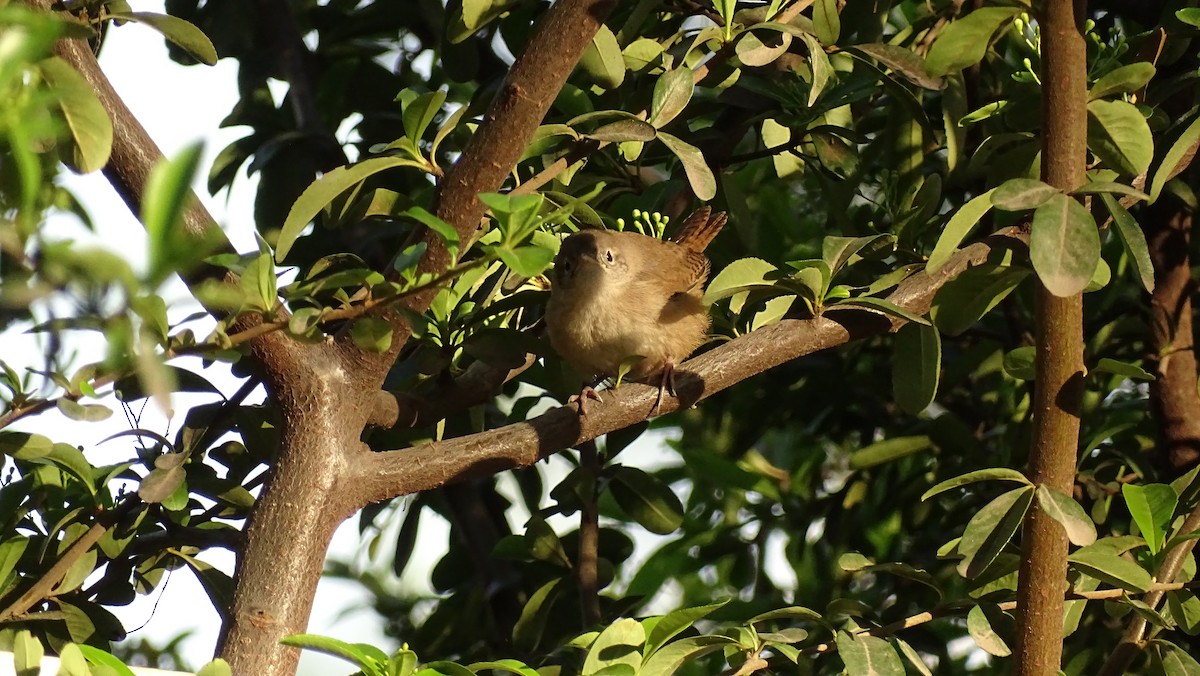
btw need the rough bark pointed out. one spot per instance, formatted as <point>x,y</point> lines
<point>1058,390</point>
<point>1173,392</point>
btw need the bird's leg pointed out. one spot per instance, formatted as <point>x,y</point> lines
<point>588,392</point>
<point>666,384</point>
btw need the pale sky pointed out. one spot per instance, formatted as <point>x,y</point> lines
<point>179,105</point>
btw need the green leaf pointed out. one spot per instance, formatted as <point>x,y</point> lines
<point>866,655</point>
<point>669,625</point>
<point>1063,509</point>
<point>161,482</point>
<point>602,60</point>
<point>619,131</point>
<point>757,49</point>
<point>916,367</point>
<point>672,92</point>
<point>979,625</point>
<point>1120,136</point>
<point>903,61</point>
<point>789,613</point>
<point>104,659</point>
<point>528,261</point>
<point>419,112</point>
<point>1131,371</point>
<point>168,195</point>
<point>185,35</point>
<point>1115,570</point>
<point>10,555</point>
<point>24,445</point>
<point>667,660</point>
<point>544,544</point>
<point>1134,241</point>
<point>837,252</point>
<point>1190,16</point>
<point>1173,660</point>
<point>699,175</point>
<point>71,662</point>
<point>1180,150</point>
<point>962,301</point>
<point>217,667</point>
<point>1019,194</point>
<point>913,657</point>
<point>741,275</point>
<point>443,229</point>
<point>990,530</point>
<point>960,225</point>
<point>827,23</point>
<point>619,643</point>
<point>1064,245</point>
<point>1127,78</point>
<point>529,627</point>
<point>1110,187</point>
<point>881,305</point>
<point>27,654</point>
<point>90,127</point>
<point>1151,506</point>
<point>888,450</point>
<point>822,70</point>
<point>372,334</point>
<point>325,189</point>
<point>989,474</point>
<point>1020,363</point>
<point>350,652</point>
<point>646,499</point>
<point>964,42</point>
<point>258,283</point>
<point>216,583</point>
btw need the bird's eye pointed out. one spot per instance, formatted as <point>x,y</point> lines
<point>608,256</point>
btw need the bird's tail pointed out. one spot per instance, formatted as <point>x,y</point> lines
<point>699,229</point>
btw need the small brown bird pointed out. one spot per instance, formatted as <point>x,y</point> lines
<point>617,296</point>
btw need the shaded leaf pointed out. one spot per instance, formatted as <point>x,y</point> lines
<point>89,124</point>
<point>1133,240</point>
<point>1120,136</point>
<point>989,474</point>
<point>1064,245</point>
<point>646,499</point>
<point>185,35</point>
<point>699,175</point>
<point>964,42</point>
<point>916,367</point>
<point>1063,509</point>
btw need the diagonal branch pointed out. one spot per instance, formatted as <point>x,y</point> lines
<point>379,476</point>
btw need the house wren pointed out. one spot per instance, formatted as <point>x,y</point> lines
<point>617,296</point>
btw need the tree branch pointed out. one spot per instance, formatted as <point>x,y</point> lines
<point>1058,390</point>
<point>379,476</point>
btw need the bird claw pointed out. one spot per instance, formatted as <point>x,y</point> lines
<point>667,384</point>
<point>586,393</point>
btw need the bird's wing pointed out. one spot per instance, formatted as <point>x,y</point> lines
<point>699,229</point>
<point>680,270</point>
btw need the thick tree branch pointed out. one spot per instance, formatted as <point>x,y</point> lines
<point>1058,390</point>
<point>379,476</point>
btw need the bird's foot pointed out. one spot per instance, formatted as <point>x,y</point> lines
<point>666,384</point>
<point>586,393</point>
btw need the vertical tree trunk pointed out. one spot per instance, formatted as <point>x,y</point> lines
<point>1173,392</point>
<point>1058,390</point>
